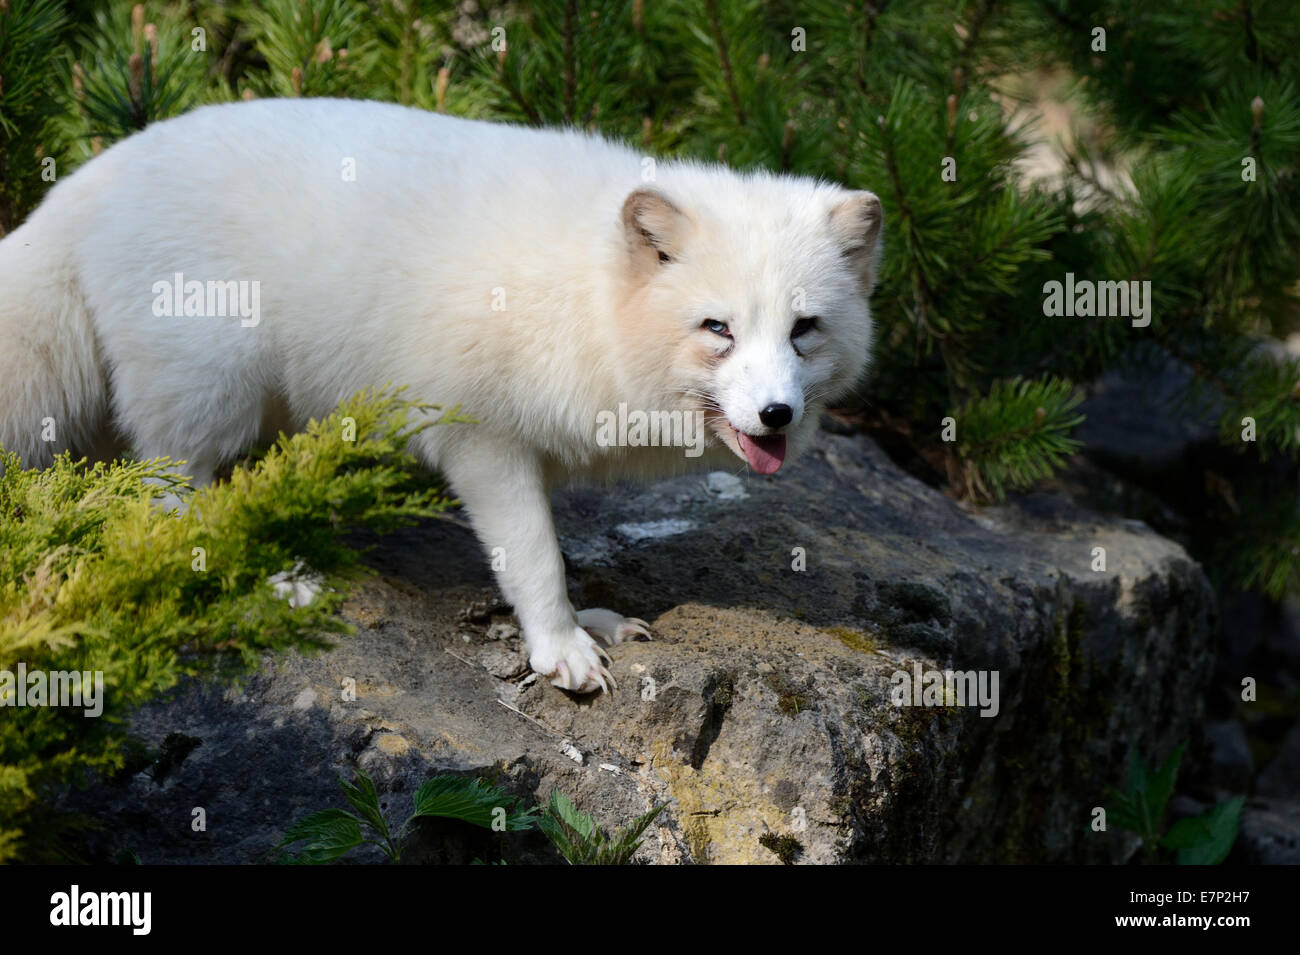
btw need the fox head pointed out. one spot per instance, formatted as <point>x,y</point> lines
<point>750,299</point>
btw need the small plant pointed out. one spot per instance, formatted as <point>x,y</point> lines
<point>583,842</point>
<point>1201,840</point>
<point>333,833</point>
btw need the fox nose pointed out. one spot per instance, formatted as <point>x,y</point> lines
<point>776,416</point>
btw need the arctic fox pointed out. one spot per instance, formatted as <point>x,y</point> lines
<point>244,267</point>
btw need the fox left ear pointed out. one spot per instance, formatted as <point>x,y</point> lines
<point>855,222</point>
<point>655,229</point>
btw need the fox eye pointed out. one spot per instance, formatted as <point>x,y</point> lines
<point>717,327</point>
<point>803,326</point>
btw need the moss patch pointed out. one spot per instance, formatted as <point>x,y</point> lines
<point>718,811</point>
<point>791,699</point>
<point>912,614</point>
<point>785,847</point>
<point>853,639</point>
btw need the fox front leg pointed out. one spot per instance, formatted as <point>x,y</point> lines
<point>504,491</point>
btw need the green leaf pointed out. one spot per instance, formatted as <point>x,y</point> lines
<point>472,801</point>
<point>1161,786</point>
<point>582,842</point>
<point>627,840</point>
<point>329,834</point>
<point>1142,804</point>
<point>1216,831</point>
<point>573,832</point>
<point>1187,833</point>
<point>365,800</point>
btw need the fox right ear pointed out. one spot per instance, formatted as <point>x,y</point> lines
<point>855,221</point>
<point>654,228</point>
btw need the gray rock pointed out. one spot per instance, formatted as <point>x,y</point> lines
<point>1139,416</point>
<point>762,708</point>
<point>1230,764</point>
<point>1281,777</point>
<point>502,631</point>
<point>728,487</point>
<point>1270,833</point>
<point>503,661</point>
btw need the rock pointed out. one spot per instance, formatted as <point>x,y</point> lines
<point>1230,764</point>
<point>1270,833</point>
<point>1281,777</point>
<point>726,486</point>
<point>503,661</point>
<point>648,530</point>
<point>1137,417</point>
<point>392,744</point>
<point>785,624</point>
<point>502,631</point>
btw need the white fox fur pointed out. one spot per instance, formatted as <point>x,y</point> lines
<point>536,278</point>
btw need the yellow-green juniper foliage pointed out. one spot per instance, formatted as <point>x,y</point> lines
<point>95,577</point>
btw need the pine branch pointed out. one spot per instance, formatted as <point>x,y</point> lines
<point>1015,435</point>
<point>570,71</point>
<point>724,57</point>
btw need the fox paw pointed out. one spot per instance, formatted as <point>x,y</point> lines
<point>612,627</point>
<point>573,662</point>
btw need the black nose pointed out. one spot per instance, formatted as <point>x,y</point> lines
<point>776,416</point>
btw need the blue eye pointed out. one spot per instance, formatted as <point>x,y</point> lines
<point>717,327</point>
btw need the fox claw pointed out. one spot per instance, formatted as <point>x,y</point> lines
<point>612,627</point>
<point>596,677</point>
<point>577,663</point>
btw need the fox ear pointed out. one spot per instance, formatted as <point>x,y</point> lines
<point>855,222</point>
<point>655,229</point>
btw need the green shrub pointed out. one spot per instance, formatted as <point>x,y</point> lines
<point>95,577</point>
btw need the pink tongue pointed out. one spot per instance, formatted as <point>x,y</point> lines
<point>766,454</point>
